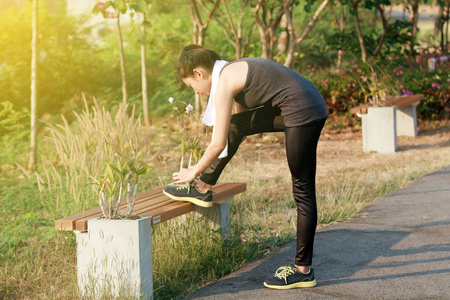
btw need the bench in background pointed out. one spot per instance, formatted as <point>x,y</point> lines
<point>381,125</point>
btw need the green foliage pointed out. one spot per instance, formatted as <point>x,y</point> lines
<point>349,86</point>
<point>14,129</point>
<point>13,123</point>
<point>122,171</point>
<point>436,88</point>
<point>71,61</point>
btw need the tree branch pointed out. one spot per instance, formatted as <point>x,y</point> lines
<point>313,22</point>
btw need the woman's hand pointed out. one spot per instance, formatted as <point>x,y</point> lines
<point>185,175</point>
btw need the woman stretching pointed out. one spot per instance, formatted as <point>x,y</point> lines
<point>269,98</point>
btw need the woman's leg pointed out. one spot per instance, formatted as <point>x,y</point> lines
<point>301,146</point>
<point>263,119</point>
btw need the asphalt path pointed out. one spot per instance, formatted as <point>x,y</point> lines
<point>398,247</point>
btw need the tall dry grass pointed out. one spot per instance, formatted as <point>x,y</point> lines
<point>79,151</point>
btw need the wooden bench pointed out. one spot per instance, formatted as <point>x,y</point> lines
<point>382,125</point>
<point>400,101</point>
<point>154,207</point>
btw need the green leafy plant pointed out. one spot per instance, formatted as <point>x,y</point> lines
<point>120,172</point>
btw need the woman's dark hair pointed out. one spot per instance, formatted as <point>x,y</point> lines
<point>194,56</point>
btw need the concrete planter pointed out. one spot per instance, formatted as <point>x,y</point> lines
<point>379,129</point>
<point>114,259</point>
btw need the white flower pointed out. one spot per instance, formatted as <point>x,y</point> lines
<point>171,99</point>
<point>189,108</point>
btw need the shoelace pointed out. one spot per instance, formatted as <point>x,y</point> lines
<point>188,186</point>
<point>284,272</point>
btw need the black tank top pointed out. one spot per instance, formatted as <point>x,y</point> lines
<point>270,83</point>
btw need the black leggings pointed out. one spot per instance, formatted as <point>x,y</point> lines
<point>301,145</point>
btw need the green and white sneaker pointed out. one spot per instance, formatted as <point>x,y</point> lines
<point>189,192</point>
<point>290,277</point>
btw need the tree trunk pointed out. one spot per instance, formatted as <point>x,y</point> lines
<point>264,43</point>
<point>438,20</point>
<point>447,22</point>
<point>268,22</point>
<point>198,36</point>
<point>358,30</point>
<point>294,41</point>
<point>313,21</point>
<point>122,62</point>
<point>413,17</point>
<point>341,25</point>
<point>144,75</point>
<point>283,37</point>
<point>33,99</point>
<point>385,24</point>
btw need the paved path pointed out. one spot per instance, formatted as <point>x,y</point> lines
<point>397,248</point>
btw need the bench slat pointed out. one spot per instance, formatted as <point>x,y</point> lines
<point>161,200</point>
<point>178,208</point>
<point>400,101</point>
<point>150,204</point>
<point>170,211</point>
<point>69,223</point>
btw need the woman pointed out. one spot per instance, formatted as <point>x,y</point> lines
<point>269,98</point>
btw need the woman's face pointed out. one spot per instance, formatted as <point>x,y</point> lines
<point>200,82</point>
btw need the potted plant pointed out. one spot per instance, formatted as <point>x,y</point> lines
<point>112,256</point>
<point>125,172</point>
<point>377,88</point>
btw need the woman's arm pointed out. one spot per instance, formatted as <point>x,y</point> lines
<point>231,82</point>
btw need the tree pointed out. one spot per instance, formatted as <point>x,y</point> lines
<point>144,74</point>
<point>446,21</point>
<point>34,71</point>
<point>199,31</point>
<point>358,30</point>
<point>267,15</point>
<point>441,21</point>
<point>234,33</point>
<point>293,40</point>
<point>122,60</point>
<point>413,18</point>
<point>198,26</point>
<point>120,7</point>
<point>340,24</point>
<point>380,6</point>
<point>141,7</point>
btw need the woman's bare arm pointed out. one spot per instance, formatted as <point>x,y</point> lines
<point>231,82</point>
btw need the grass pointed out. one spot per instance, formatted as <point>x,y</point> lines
<point>36,262</point>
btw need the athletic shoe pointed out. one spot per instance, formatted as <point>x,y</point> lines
<point>189,192</point>
<point>290,277</point>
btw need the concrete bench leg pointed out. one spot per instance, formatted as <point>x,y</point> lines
<point>407,121</point>
<point>379,129</point>
<point>219,215</point>
<point>114,259</point>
